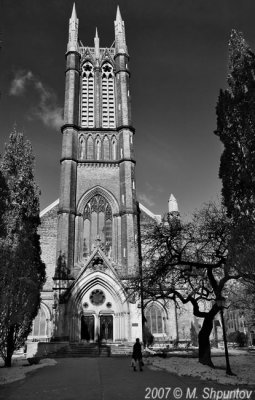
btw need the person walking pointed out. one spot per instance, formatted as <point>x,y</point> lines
<point>137,355</point>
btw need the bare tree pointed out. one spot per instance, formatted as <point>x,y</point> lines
<point>190,262</point>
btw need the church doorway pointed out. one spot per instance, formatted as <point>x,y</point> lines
<point>87,328</point>
<point>106,327</point>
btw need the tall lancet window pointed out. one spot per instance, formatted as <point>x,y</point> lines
<point>40,324</point>
<point>108,96</point>
<point>154,317</point>
<point>97,228</point>
<point>87,96</point>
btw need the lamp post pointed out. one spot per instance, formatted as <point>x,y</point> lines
<point>220,303</point>
<point>176,324</point>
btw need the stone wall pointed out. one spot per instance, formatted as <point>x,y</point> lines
<point>48,240</point>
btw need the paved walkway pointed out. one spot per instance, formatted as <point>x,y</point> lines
<point>105,379</point>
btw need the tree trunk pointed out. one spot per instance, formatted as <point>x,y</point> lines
<point>10,348</point>
<point>204,349</point>
<point>8,360</point>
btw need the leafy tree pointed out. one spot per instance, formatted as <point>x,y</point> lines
<point>236,130</point>
<point>3,202</point>
<point>22,273</point>
<point>189,262</point>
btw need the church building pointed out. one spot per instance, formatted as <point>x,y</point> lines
<point>89,237</point>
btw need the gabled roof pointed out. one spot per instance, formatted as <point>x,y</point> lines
<point>49,208</point>
<point>142,208</point>
<point>149,213</point>
<point>95,254</point>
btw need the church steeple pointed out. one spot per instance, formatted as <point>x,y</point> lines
<point>73,31</point>
<point>120,37</point>
<point>97,202</point>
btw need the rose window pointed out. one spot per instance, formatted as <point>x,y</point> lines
<point>97,297</point>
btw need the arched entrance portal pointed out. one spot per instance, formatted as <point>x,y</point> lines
<point>99,307</point>
<point>87,328</point>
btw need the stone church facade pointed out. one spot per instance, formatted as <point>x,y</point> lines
<point>89,237</point>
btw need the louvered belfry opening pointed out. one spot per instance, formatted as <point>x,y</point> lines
<point>108,97</point>
<point>87,96</point>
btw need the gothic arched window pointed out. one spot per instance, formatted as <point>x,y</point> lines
<point>87,95</point>
<point>97,218</point>
<point>40,324</point>
<point>154,317</point>
<point>108,96</point>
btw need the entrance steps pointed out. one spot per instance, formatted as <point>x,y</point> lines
<point>82,350</point>
<point>121,349</point>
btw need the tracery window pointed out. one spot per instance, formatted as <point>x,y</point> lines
<point>87,95</point>
<point>97,226</point>
<point>97,297</point>
<point>154,317</point>
<point>40,324</point>
<point>108,96</point>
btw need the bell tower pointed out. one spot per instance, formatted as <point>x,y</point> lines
<point>97,205</point>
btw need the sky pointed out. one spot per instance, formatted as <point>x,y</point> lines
<point>178,60</point>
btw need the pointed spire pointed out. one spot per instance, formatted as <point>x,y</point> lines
<point>118,17</point>
<point>73,31</point>
<point>74,15</point>
<point>120,39</point>
<point>97,48</point>
<point>172,204</point>
<point>119,23</point>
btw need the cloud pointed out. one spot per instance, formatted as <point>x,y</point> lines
<point>47,110</point>
<point>19,83</point>
<point>143,198</point>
